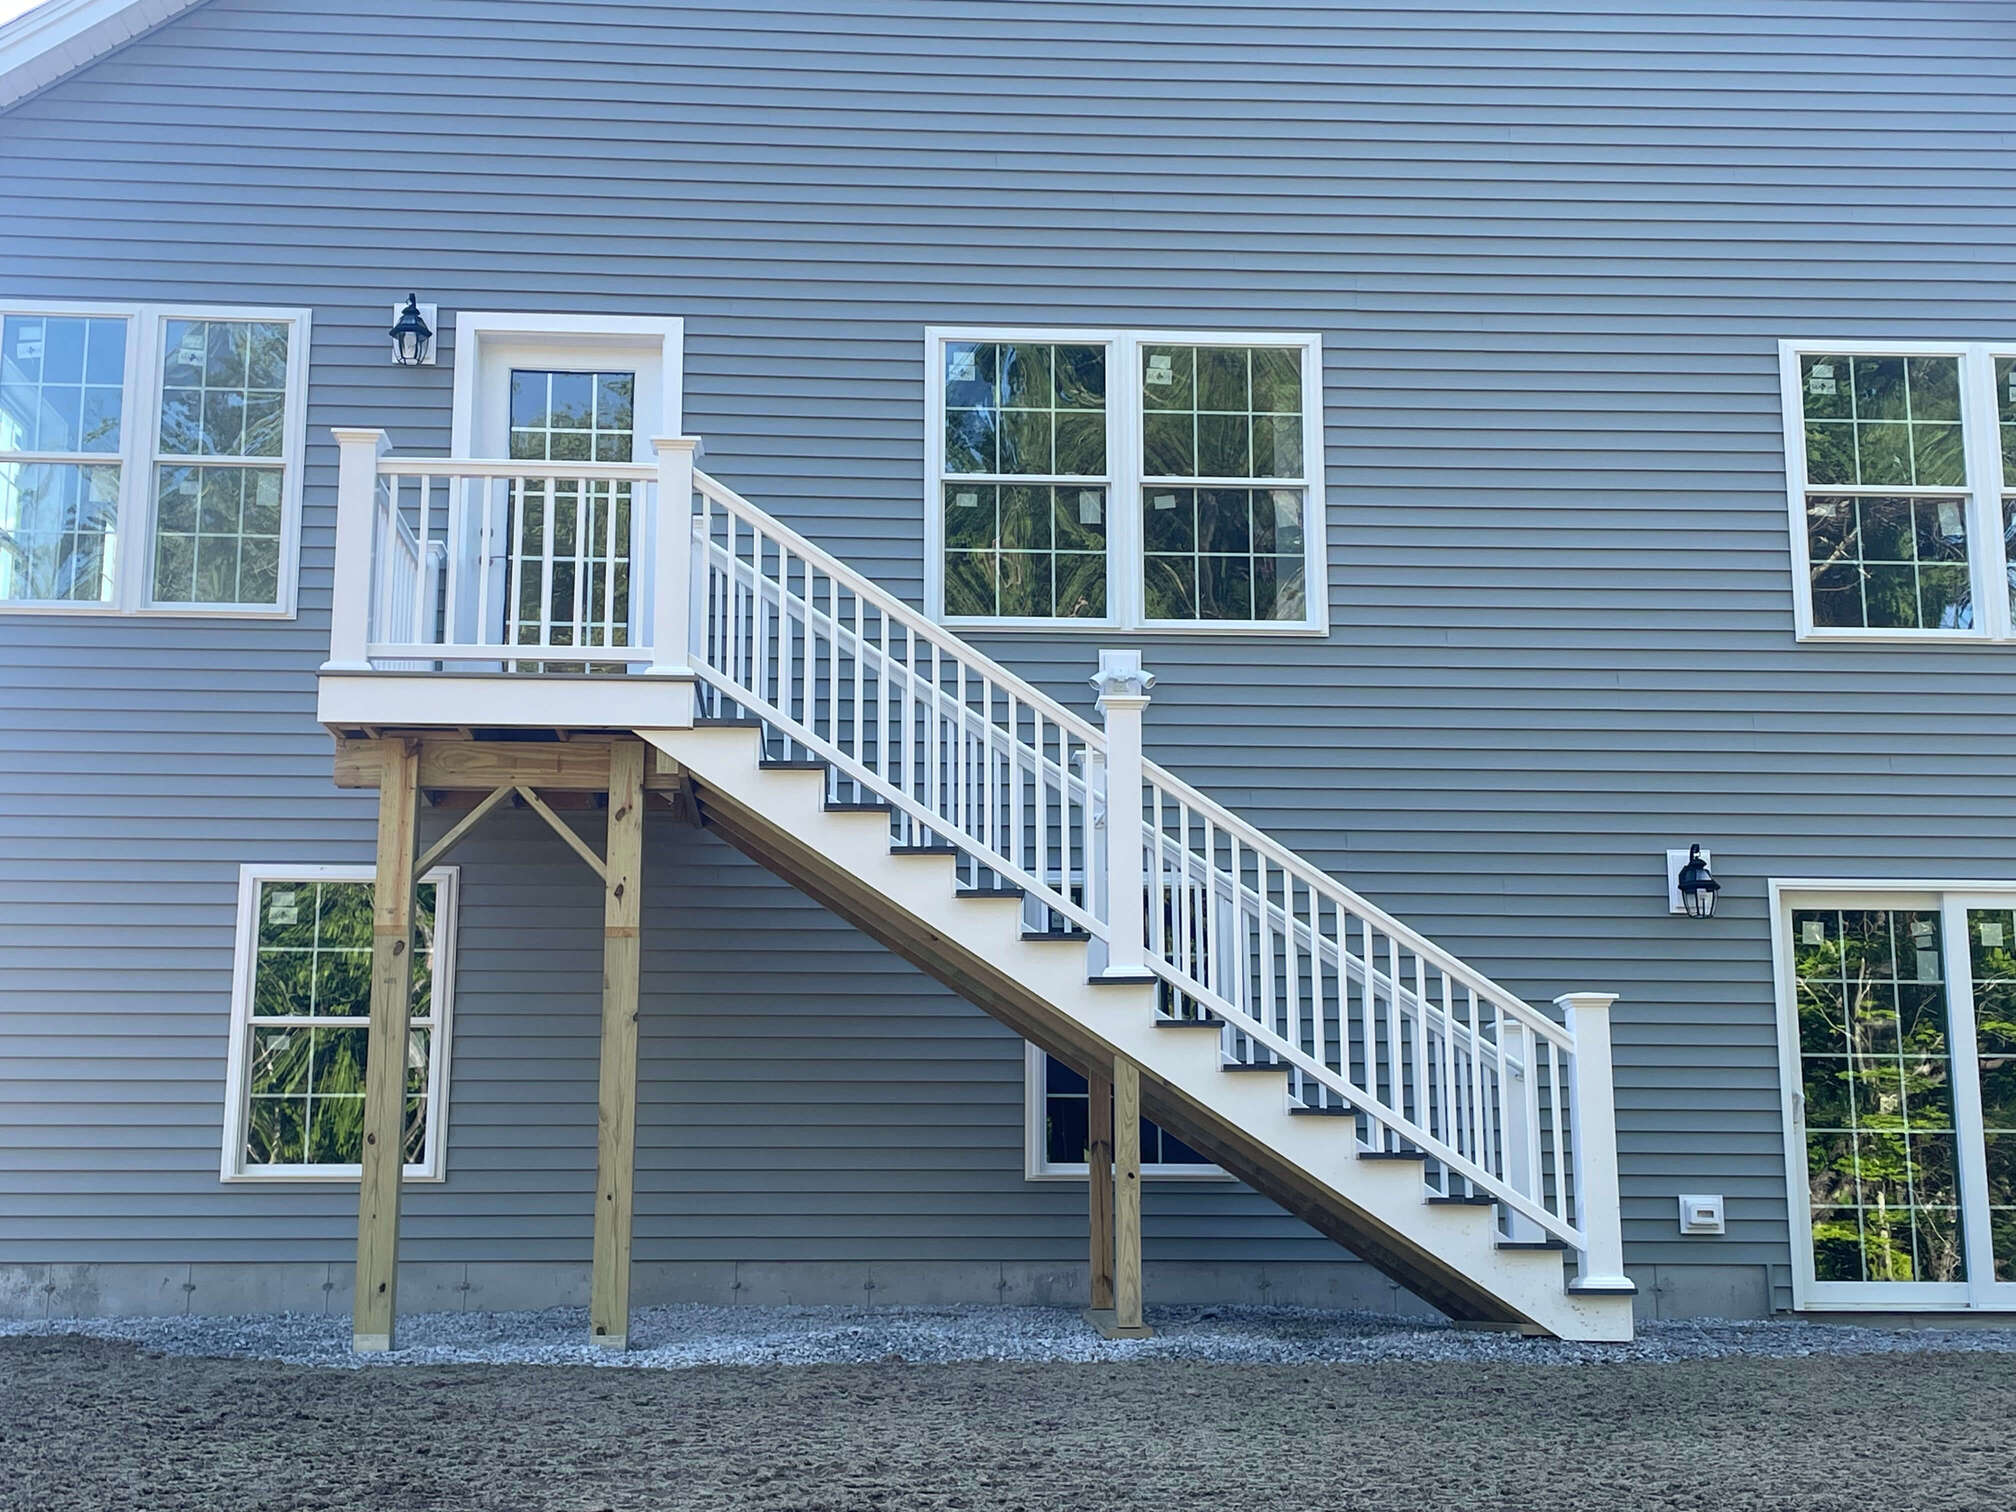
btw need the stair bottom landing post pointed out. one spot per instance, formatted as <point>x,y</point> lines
<point>1123,1319</point>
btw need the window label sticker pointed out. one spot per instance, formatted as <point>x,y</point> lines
<point>191,350</point>
<point>283,908</point>
<point>961,367</point>
<point>1991,936</point>
<point>966,499</point>
<point>1088,506</point>
<point>1165,501</point>
<point>1812,932</point>
<point>1949,517</point>
<point>1161,370</point>
<point>1821,379</point>
<point>28,345</point>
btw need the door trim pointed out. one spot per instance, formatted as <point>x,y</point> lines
<point>664,334</point>
<point>1978,1294</point>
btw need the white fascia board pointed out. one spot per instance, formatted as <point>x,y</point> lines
<point>57,38</point>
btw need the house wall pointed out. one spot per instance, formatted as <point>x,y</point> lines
<point>1549,250</point>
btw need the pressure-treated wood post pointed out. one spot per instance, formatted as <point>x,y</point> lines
<point>1123,695</point>
<point>616,1099</point>
<point>1127,1199</point>
<point>357,454</point>
<point>1099,1182</point>
<point>375,1303</point>
<point>1598,1196</point>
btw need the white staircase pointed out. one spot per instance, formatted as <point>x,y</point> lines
<point>1458,1138</point>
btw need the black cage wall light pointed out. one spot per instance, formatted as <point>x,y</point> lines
<point>1691,885</point>
<point>412,333</point>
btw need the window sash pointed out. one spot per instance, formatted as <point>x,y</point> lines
<point>1037,1165</point>
<point>1981,493</point>
<point>1125,479</point>
<point>437,1021</point>
<point>140,457</point>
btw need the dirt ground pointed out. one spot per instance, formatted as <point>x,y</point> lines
<point>86,1424</point>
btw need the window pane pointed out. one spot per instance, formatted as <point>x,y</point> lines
<point>1025,408</point>
<point>62,383</point>
<point>224,388</point>
<point>1221,412</point>
<point>1226,554</point>
<point>1881,1159</point>
<point>1025,551</point>
<point>217,535</point>
<point>58,525</point>
<point>2005,412</point>
<point>1889,563</point>
<point>1883,422</point>
<point>312,965</point>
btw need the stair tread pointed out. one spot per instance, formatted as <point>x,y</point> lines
<point>791,763</point>
<point>1281,1066</point>
<point>1075,936</point>
<point>1303,1110</point>
<point>923,850</point>
<point>1475,1199</point>
<point>1532,1244</point>
<point>726,722</point>
<point>1162,1022</point>
<point>850,806</point>
<point>1009,891</point>
<point>1392,1154</point>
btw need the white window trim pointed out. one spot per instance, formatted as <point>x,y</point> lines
<point>447,903</point>
<point>1125,562</point>
<point>1980,1293</point>
<point>568,335</point>
<point>139,451</point>
<point>1987,564</point>
<point>1037,1167</point>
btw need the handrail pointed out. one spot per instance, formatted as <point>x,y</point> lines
<point>938,734</point>
<point>492,467</point>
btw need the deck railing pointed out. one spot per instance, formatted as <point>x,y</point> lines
<point>575,566</point>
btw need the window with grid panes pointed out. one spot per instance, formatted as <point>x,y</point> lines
<point>149,459</point>
<point>301,1034</point>
<point>586,527</point>
<point>1121,480</point>
<point>1066,1105</point>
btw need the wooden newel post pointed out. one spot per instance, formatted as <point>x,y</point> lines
<point>672,558</point>
<point>375,1302</point>
<point>1598,1196</point>
<point>616,1098</point>
<point>1127,1199</point>
<point>357,454</point>
<point>1123,695</point>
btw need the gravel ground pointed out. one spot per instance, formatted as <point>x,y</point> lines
<point>1365,1415</point>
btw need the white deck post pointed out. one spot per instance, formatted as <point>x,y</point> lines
<point>672,558</point>
<point>1519,1114</point>
<point>1123,695</point>
<point>1598,1197</point>
<point>357,453</point>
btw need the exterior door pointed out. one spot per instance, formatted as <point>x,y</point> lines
<point>558,550</point>
<point>1901,1079</point>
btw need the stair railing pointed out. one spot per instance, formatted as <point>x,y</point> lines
<point>1373,1021</point>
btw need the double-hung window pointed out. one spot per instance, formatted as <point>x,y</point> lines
<point>150,458</point>
<point>1130,479</point>
<point>1058,1112</point>
<point>1901,461</point>
<point>300,1024</point>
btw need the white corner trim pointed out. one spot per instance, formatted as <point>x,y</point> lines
<point>59,37</point>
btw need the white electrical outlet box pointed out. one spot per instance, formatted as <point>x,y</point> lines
<point>1700,1214</point>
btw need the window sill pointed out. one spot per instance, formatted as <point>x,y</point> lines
<point>1188,630</point>
<point>1854,636</point>
<point>1148,1173</point>
<point>151,611</point>
<point>323,1176</point>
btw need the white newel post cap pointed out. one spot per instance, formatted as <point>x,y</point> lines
<point>353,435</point>
<point>1585,1004</point>
<point>664,444</point>
<point>1121,677</point>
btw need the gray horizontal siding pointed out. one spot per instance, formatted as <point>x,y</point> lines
<point>1549,250</point>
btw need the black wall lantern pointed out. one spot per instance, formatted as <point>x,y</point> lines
<point>412,336</point>
<point>1697,885</point>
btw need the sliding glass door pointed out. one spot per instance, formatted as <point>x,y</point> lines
<point>1900,1040</point>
